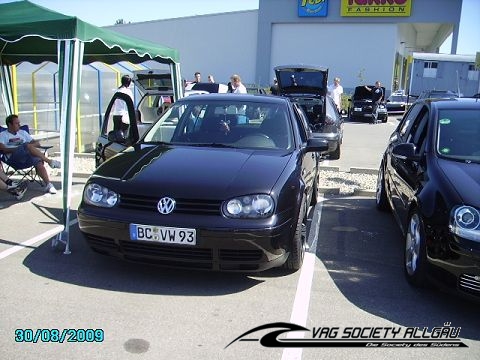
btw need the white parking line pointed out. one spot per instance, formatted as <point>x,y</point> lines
<point>304,287</point>
<point>42,237</point>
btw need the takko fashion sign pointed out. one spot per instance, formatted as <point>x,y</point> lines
<point>376,7</point>
<point>312,7</point>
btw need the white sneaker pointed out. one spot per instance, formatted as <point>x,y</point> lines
<point>50,188</point>
<point>55,164</point>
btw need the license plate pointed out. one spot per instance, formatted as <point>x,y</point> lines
<point>162,234</point>
<point>357,109</point>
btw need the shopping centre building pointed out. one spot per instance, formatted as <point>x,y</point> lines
<point>360,41</point>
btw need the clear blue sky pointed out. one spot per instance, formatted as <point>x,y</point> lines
<point>106,12</point>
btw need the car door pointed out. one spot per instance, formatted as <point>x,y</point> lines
<point>409,172</point>
<point>309,171</point>
<point>398,137</point>
<point>115,135</point>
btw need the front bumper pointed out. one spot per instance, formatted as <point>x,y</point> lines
<point>220,249</point>
<point>460,269</point>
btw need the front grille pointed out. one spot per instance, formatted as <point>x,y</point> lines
<point>183,206</point>
<point>469,283</point>
<point>239,255</point>
<point>101,243</point>
<point>162,251</point>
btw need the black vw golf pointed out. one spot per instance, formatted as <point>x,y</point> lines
<point>430,178</point>
<point>219,182</point>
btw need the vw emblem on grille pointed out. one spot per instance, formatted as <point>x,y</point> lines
<point>166,205</point>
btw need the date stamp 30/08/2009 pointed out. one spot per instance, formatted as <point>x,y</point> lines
<point>59,335</point>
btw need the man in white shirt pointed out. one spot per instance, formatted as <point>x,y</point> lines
<point>336,91</point>
<point>21,151</point>
<point>120,109</point>
<point>237,86</point>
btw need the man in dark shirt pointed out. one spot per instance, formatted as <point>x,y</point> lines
<point>377,97</point>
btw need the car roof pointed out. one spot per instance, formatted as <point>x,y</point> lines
<point>438,93</point>
<point>453,103</point>
<point>241,97</point>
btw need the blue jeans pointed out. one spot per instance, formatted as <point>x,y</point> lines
<point>22,159</point>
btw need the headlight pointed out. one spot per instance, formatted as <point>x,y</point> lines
<point>251,206</point>
<point>98,195</point>
<point>465,222</point>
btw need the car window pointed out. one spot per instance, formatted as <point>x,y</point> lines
<point>302,123</point>
<point>418,131</point>
<point>408,120</point>
<point>228,122</point>
<point>458,134</point>
<point>117,120</point>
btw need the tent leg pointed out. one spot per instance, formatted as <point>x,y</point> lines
<point>62,242</point>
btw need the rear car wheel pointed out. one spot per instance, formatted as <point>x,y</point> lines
<point>415,251</point>
<point>298,246</point>
<point>381,199</point>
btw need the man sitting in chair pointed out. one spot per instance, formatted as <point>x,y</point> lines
<point>21,151</point>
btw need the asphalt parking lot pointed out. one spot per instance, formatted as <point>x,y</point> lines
<point>352,278</point>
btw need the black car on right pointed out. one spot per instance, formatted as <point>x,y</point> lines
<point>430,178</point>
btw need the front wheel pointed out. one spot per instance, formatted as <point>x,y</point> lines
<point>381,199</point>
<point>299,244</point>
<point>415,251</point>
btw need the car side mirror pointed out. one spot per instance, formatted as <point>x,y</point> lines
<point>117,136</point>
<point>406,152</point>
<point>315,144</point>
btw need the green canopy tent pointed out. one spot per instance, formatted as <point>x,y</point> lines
<point>32,33</point>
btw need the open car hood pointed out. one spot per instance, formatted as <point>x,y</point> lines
<point>361,93</point>
<point>301,79</point>
<point>153,81</point>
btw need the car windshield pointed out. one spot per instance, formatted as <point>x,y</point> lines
<point>221,123</point>
<point>459,134</point>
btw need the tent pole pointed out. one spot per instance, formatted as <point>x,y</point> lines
<point>70,73</point>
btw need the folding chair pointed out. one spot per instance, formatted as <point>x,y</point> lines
<point>28,173</point>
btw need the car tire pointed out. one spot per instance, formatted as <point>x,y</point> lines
<point>335,155</point>
<point>385,120</point>
<point>298,245</point>
<point>381,199</point>
<point>415,261</point>
<point>313,200</point>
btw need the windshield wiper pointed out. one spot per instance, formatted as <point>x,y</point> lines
<point>217,145</point>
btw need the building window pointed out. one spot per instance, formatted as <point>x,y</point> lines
<point>430,69</point>
<point>472,73</point>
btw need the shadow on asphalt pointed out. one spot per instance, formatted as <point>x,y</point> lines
<point>362,250</point>
<point>83,267</point>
